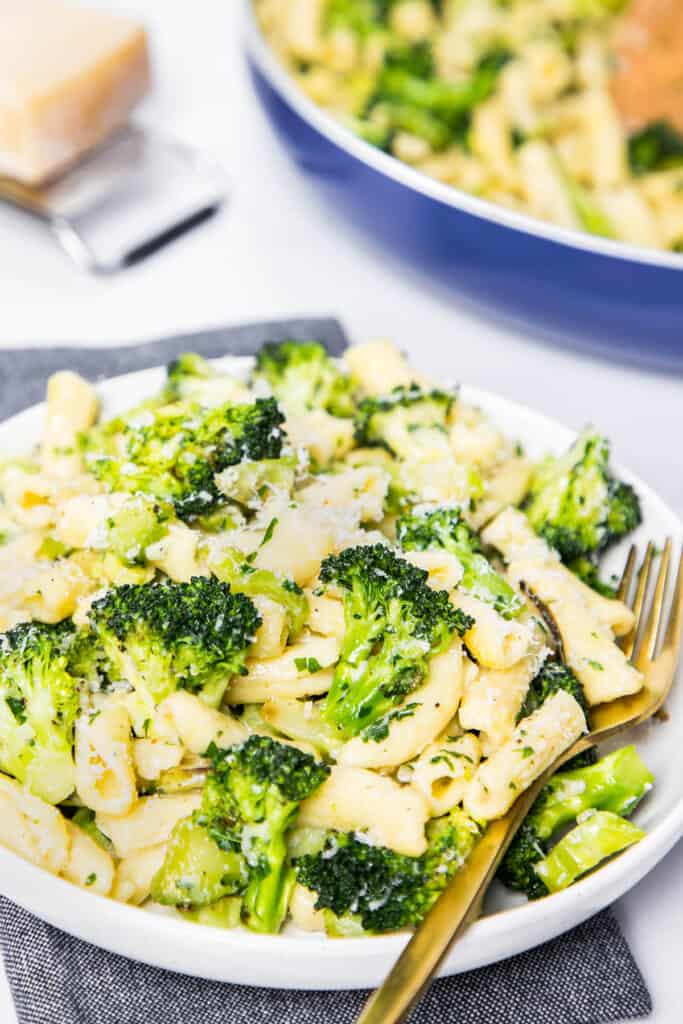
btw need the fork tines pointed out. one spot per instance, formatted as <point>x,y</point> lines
<point>640,644</point>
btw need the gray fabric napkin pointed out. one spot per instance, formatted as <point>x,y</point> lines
<point>587,976</point>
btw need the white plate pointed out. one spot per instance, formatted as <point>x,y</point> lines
<point>298,960</point>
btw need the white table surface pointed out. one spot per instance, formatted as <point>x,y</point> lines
<point>278,250</point>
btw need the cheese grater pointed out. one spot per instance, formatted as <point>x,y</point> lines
<point>130,196</point>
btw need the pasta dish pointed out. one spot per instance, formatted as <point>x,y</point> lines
<point>277,647</point>
<point>567,110</point>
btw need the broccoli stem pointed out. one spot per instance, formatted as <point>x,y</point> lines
<point>601,835</point>
<point>590,215</point>
<point>616,783</point>
<point>267,896</point>
<point>404,117</point>
<point>224,913</point>
<point>444,99</point>
<point>196,871</point>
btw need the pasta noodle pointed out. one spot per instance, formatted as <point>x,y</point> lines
<point>298,672</point>
<point>135,873</point>
<point>150,822</point>
<point>105,774</point>
<point>445,768</point>
<point>494,641</point>
<point>534,745</point>
<point>31,828</point>
<point>88,864</point>
<point>416,721</point>
<point>196,726</point>
<point>493,699</point>
<point>358,800</point>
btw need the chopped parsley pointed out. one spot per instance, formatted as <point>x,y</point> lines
<point>379,730</point>
<point>311,665</point>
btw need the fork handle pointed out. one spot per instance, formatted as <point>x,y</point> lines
<point>456,907</point>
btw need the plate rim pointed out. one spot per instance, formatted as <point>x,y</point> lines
<point>509,931</point>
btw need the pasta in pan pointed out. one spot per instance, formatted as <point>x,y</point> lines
<point>256,680</point>
<point>519,102</point>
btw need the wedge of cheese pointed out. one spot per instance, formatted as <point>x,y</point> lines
<point>69,76</point>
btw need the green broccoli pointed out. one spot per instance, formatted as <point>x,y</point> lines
<point>394,623</point>
<point>615,783</point>
<point>163,636</point>
<point>599,836</point>
<point>587,571</point>
<point>231,566</point>
<point>552,677</point>
<point>303,376</point>
<point>586,208</point>
<point>191,377</point>
<point>134,527</point>
<point>405,420</point>
<point>173,452</point>
<point>250,802</point>
<point>39,703</point>
<point>445,528</point>
<point>84,818</point>
<point>576,504</point>
<point>224,913</point>
<point>656,147</point>
<point>411,98</point>
<point>197,871</point>
<point>251,482</point>
<point>382,890</point>
<point>361,17</point>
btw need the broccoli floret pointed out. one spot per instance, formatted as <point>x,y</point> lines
<point>410,97</point>
<point>192,377</point>
<point>131,529</point>
<point>303,376</point>
<point>39,702</point>
<point>174,452</point>
<point>164,636</point>
<point>197,871</point>
<point>552,677</point>
<point>656,147</point>
<point>250,802</point>
<point>381,889</point>
<point>445,528</point>
<point>615,783</point>
<point>407,419</point>
<point>232,567</point>
<point>587,571</point>
<point>582,760</point>
<point>576,504</point>
<point>599,836</point>
<point>251,483</point>
<point>394,623</point>
<point>408,76</point>
<point>623,513</point>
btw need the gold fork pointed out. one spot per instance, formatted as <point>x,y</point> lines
<point>461,901</point>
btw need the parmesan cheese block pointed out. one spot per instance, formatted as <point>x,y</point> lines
<point>68,77</point>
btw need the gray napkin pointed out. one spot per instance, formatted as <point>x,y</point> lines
<point>587,976</point>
